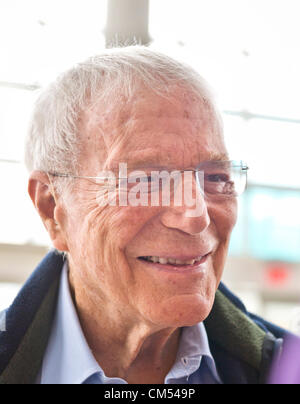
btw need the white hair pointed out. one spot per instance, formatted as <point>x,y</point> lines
<point>52,143</point>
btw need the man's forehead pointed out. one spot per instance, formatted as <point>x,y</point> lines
<point>151,131</point>
<point>168,143</point>
<point>116,114</point>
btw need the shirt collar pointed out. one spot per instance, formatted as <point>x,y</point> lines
<point>68,359</point>
<point>193,348</point>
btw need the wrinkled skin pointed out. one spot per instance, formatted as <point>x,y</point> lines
<point>131,314</point>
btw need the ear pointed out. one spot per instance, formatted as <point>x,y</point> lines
<point>43,197</point>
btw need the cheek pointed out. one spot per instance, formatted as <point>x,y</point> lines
<point>101,236</point>
<point>126,223</point>
<point>224,218</point>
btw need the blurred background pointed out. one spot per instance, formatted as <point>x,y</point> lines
<point>247,49</point>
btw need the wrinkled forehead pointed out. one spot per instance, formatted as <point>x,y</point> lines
<point>153,127</point>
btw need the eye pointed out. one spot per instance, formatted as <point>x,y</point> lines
<point>217,178</point>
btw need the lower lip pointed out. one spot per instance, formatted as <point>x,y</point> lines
<point>179,269</point>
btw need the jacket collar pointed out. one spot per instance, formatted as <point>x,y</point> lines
<point>237,343</point>
<point>28,323</point>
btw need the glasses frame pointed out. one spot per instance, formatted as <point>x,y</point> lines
<point>241,164</point>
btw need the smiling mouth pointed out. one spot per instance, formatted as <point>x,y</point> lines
<point>175,262</point>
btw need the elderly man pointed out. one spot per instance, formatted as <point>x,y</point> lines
<point>132,180</point>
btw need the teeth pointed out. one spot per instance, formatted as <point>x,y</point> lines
<point>163,261</point>
<point>191,262</point>
<point>172,261</point>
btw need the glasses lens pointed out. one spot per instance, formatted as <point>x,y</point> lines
<point>223,178</point>
<point>227,179</point>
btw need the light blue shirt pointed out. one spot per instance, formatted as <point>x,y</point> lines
<point>69,360</point>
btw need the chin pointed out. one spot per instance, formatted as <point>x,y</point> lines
<point>185,311</point>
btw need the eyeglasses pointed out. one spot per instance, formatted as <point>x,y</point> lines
<point>214,178</point>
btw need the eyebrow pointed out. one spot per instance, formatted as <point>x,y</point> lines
<point>154,161</point>
<point>214,156</point>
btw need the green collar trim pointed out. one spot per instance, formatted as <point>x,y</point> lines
<point>234,332</point>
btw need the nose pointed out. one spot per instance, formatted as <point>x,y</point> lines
<point>191,216</point>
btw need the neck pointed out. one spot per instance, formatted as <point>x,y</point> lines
<point>131,349</point>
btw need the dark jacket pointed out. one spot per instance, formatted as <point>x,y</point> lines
<point>244,346</point>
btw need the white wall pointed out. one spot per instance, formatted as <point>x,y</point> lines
<point>17,262</point>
